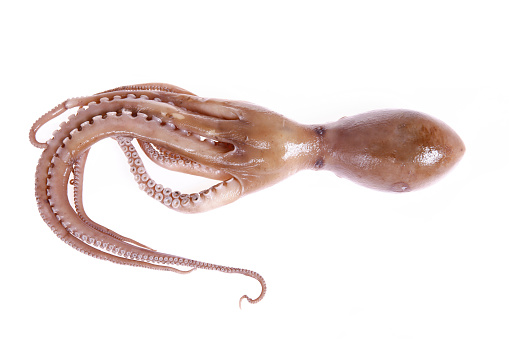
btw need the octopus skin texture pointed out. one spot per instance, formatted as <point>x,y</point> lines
<point>244,146</point>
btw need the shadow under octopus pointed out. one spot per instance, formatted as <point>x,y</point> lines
<point>245,146</point>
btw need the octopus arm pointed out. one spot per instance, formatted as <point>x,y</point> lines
<point>77,182</point>
<point>151,86</point>
<point>67,146</point>
<point>172,161</point>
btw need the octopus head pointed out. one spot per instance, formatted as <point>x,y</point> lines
<point>391,150</point>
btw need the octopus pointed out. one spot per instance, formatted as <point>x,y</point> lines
<point>243,146</point>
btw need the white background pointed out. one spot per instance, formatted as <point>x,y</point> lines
<point>340,261</point>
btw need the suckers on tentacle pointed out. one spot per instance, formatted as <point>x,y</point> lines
<point>55,165</point>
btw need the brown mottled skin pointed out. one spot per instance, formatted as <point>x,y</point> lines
<point>245,146</point>
<point>391,150</point>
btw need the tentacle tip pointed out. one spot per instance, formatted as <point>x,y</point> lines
<point>251,301</point>
<point>241,298</point>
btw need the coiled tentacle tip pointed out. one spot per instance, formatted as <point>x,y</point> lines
<point>251,301</point>
<point>243,297</point>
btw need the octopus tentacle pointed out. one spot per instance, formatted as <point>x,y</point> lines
<point>175,162</point>
<point>77,182</point>
<point>54,168</point>
<point>50,115</point>
<point>197,147</point>
<point>125,123</point>
<point>157,103</point>
<point>196,127</point>
<point>211,126</point>
<point>151,86</point>
<point>221,193</point>
<point>206,106</point>
<point>85,101</point>
<point>51,196</point>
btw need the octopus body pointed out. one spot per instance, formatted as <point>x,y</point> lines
<point>244,146</point>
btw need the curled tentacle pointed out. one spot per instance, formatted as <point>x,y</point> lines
<point>53,113</point>
<point>222,192</point>
<point>59,159</point>
<point>262,293</point>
